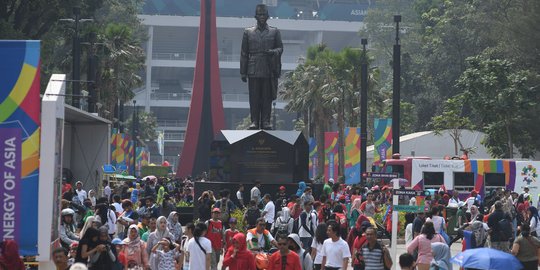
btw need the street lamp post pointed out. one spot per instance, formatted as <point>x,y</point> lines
<point>91,84</point>
<point>134,133</point>
<point>363,108</point>
<point>396,89</point>
<point>76,56</point>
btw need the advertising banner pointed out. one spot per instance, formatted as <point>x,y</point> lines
<point>352,155</point>
<point>20,142</point>
<point>331,158</point>
<point>383,140</point>
<point>312,158</point>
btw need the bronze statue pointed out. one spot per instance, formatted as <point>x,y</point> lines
<point>260,62</point>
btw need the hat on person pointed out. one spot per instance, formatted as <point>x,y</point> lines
<point>342,197</point>
<point>282,188</point>
<point>74,245</point>
<point>117,241</point>
<point>232,220</point>
<point>295,238</point>
<point>216,210</point>
<point>331,180</point>
<point>526,188</point>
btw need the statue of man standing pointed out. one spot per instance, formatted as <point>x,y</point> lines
<point>260,66</point>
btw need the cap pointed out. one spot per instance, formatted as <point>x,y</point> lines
<point>282,188</point>
<point>342,197</point>
<point>385,187</point>
<point>232,220</point>
<point>117,241</point>
<point>376,187</point>
<point>331,180</point>
<point>216,210</point>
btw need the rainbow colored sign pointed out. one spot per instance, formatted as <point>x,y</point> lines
<point>331,157</point>
<point>19,142</point>
<point>120,149</point>
<point>352,155</point>
<point>312,158</point>
<point>383,140</point>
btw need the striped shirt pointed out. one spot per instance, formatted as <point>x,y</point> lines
<point>373,258</point>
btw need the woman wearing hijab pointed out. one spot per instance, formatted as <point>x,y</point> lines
<point>161,232</point>
<point>10,258</point>
<point>441,257</point>
<point>175,228</point>
<point>105,257</point>
<point>92,197</point>
<point>301,188</point>
<point>354,212</point>
<point>135,250</point>
<point>88,245</point>
<point>237,256</point>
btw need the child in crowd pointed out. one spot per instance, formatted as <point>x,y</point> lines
<point>230,233</point>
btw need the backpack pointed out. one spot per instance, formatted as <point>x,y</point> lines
<point>307,228</point>
<point>324,214</point>
<point>252,215</point>
<point>341,219</point>
<point>296,225</point>
<point>281,227</point>
<point>479,233</point>
<point>505,229</point>
<point>225,210</point>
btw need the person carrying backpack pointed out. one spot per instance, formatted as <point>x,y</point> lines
<point>226,206</point>
<point>307,223</point>
<point>283,224</point>
<point>296,245</point>
<point>341,220</point>
<point>252,214</point>
<point>500,229</point>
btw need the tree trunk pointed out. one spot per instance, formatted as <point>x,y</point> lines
<point>510,143</point>
<point>319,128</point>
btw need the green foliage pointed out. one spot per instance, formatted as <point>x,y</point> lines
<point>184,204</point>
<point>239,215</point>
<point>146,128</point>
<point>506,98</point>
<point>452,119</point>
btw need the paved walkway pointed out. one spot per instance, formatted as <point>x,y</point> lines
<point>455,249</point>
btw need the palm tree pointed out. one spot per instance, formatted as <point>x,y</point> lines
<point>120,63</point>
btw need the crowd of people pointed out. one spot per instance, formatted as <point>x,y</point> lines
<point>136,226</point>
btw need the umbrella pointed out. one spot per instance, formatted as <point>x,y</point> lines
<point>149,177</point>
<point>402,181</point>
<point>486,258</point>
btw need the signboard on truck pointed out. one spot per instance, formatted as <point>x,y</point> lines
<point>484,174</point>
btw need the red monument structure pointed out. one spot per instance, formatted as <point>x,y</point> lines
<point>206,117</point>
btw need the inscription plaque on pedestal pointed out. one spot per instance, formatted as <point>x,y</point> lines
<point>265,155</point>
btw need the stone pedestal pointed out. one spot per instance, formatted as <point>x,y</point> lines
<point>270,156</point>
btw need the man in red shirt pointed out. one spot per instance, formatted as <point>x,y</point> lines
<point>285,259</point>
<point>215,235</point>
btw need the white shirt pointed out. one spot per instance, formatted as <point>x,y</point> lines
<point>535,226</point>
<point>118,207</point>
<point>318,255</point>
<point>82,195</point>
<point>270,210</point>
<point>255,194</point>
<point>311,220</point>
<point>469,202</point>
<point>197,258</point>
<point>111,221</point>
<point>335,252</point>
<point>239,197</point>
<point>408,234</point>
<point>260,238</point>
<point>107,192</point>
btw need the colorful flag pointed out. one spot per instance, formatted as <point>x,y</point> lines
<point>352,155</point>
<point>331,158</point>
<point>383,140</point>
<point>20,142</point>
